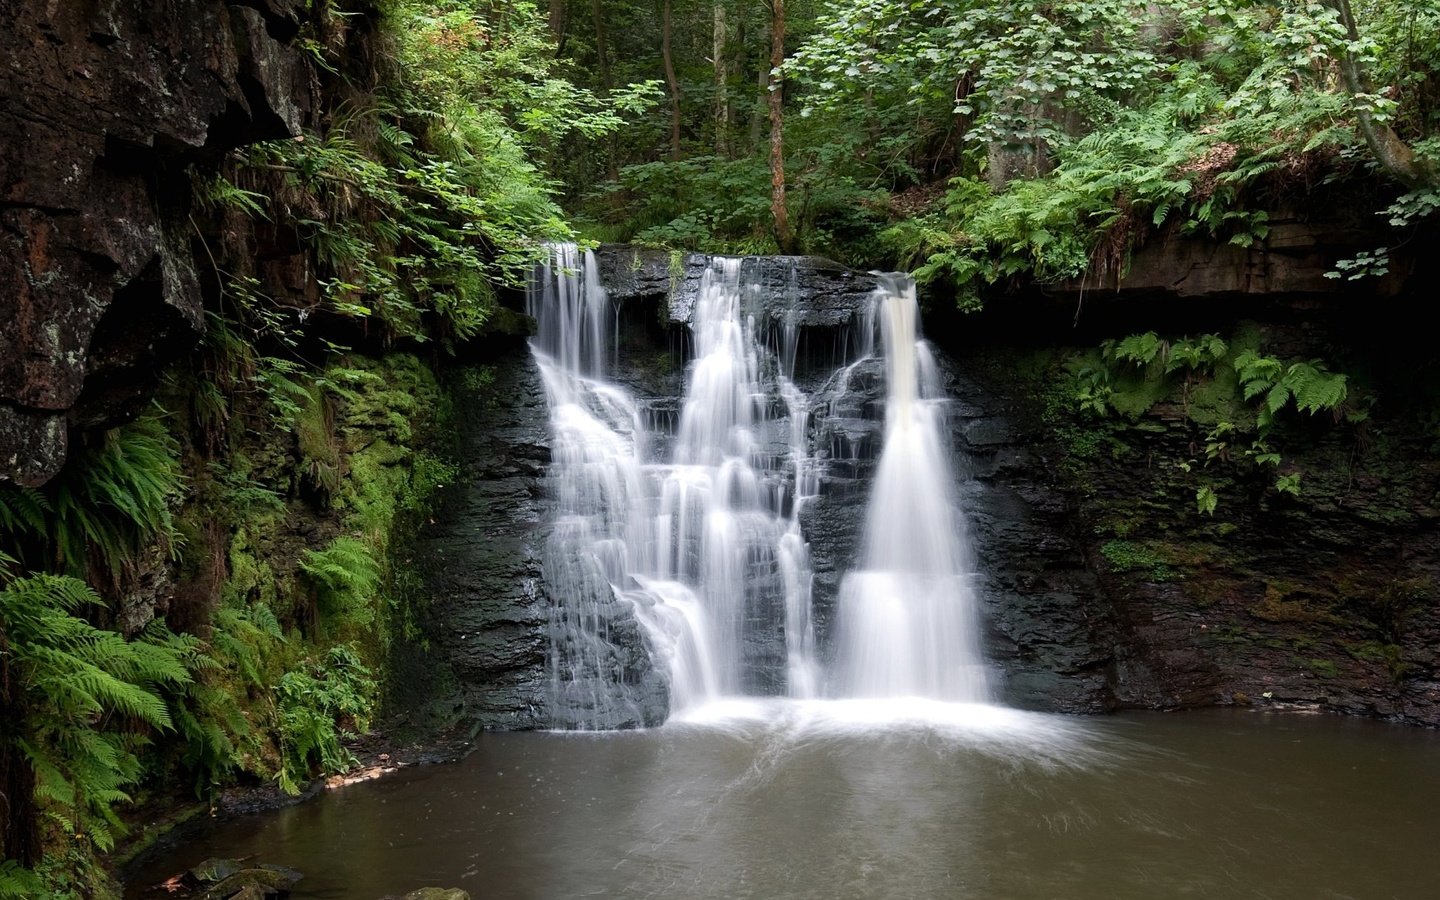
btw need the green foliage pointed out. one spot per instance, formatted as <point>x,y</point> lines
<point>418,201</point>
<point>111,502</point>
<point>88,699</point>
<point>1141,558</point>
<point>17,882</point>
<point>1365,264</point>
<point>1310,386</point>
<point>713,204</point>
<point>320,705</point>
<point>346,579</point>
<point>1013,70</point>
<point>1230,394</point>
<point>1091,123</point>
<point>1206,500</point>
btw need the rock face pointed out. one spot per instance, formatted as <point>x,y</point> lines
<point>103,107</point>
<point>1046,635</point>
<point>1110,588</point>
<point>485,551</point>
<point>490,559</point>
<point>1292,259</point>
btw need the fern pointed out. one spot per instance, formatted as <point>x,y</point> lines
<point>17,882</point>
<point>346,579</point>
<point>108,505</point>
<point>1137,349</point>
<point>1314,388</point>
<point>87,697</point>
<point>1311,386</point>
<point>320,704</point>
<point>1195,356</point>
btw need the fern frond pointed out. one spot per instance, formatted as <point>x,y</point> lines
<point>1314,388</point>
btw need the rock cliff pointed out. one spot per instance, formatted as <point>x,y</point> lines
<point>107,109</point>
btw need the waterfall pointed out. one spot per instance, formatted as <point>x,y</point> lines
<point>908,614</point>
<point>690,542</point>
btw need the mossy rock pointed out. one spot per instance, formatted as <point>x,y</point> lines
<point>435,893</point>
<point>228,880</point>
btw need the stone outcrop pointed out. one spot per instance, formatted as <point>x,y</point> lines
<point>106,109</point>
<point>1294,258</point>
<point>1110,588</point>
<point>483,556</point>
<point>803,291</point>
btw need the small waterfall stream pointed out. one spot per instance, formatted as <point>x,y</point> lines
<point>908,615</point>
<point>696,537</point>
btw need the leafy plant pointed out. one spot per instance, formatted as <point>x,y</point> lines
<point>346,579</point>
<point>86,700</point>
<point>319,705</point>
<point>110,503</point>
<point>1310,386</point>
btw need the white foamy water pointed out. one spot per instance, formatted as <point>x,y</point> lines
<point>702,543</point>
<point>908,615</point>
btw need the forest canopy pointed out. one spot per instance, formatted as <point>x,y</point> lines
<point>976,142</point>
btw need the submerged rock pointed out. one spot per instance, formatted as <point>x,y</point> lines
<point>230,879</point>
<point>435,893</point>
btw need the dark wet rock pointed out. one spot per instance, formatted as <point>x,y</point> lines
<point>104,107</point>
<point>1293,259</point>
<point>213,870</point>
<point>1046,635</point>
<point>484,553</point>
<point>487,555</point>
<point>1108,588</point>
<point>804,291</point>
<point>230,879</point>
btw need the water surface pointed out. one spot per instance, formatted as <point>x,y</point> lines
<point>884,799</point>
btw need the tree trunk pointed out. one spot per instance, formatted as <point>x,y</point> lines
<point>722,75</point>
<point>602,60</point>
<point>762,105</point>
<point>783,234</point>
<point>19,820</point>
<point>671,80</point>
<point>556,20</point>
<point>1398,158</point>
<point>602,52</point>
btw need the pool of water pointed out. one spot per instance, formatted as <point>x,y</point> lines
<point>882,799</point>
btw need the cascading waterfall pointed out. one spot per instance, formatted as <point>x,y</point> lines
<point>696,536</point>
<point>695,544</point>
<point>908,615</point>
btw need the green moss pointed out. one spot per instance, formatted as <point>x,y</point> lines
<point>1149,560</point>
<point>1217,398</point>
<point>1322,667</point>
<point>1389,656</point>
<point>1285,602</point>
<point>1133,394</point>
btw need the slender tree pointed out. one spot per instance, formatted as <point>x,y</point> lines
<point>557,21</point>
<point>722,75</point>
<point>670,79</point>
<point>602,50</point>
<point>784,236</point>
<point>1392,152</point>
